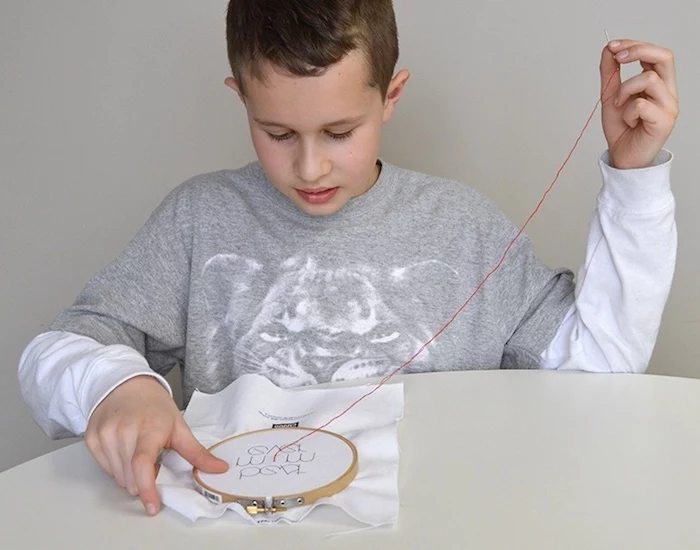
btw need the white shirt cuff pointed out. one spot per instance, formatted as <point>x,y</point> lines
<point>641,191</point>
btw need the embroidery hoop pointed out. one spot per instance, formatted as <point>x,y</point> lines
<point>280,484</point>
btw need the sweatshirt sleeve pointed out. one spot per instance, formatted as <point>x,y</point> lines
<point>622,288</point>
<point>129,320</point>
<point>140,299</point>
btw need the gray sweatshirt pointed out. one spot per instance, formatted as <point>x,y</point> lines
<point>228,277</point>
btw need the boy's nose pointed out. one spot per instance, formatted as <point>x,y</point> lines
<point>312,164</point>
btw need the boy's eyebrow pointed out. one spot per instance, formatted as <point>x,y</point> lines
<point>340,122</point>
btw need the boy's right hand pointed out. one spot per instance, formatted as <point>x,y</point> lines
<point>127,431</point>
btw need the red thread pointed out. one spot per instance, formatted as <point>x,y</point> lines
<point>481,284</point>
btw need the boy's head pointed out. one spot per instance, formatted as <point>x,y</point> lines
<point>316,77</point>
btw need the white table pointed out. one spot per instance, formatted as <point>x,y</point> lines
<point>507,459</point>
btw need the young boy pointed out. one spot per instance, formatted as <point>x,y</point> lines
<point>322,262</point>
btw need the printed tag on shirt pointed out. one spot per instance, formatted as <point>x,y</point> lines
<point>286,425</point>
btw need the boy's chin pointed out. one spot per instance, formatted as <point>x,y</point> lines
<point>320,211</point>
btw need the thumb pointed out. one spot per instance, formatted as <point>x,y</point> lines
<point>610,79</point>
<point>187,446</point>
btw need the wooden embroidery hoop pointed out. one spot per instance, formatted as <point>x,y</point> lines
<point>225,488</point>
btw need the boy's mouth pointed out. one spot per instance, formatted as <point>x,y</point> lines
<point>318,196</point>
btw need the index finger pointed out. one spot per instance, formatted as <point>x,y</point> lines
<point>187,446</point>
<point>143,465</point>
<point>662,59</point>
<point>610,79</point>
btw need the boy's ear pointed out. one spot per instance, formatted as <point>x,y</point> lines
<point>393,93</point>
<point>231,83</point>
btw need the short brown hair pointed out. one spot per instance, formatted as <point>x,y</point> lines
<point>304,37</point>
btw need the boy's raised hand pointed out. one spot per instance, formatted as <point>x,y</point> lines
<point>127,431</point>
<point>639,114</point>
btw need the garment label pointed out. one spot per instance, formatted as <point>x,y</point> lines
<point>286,425</point>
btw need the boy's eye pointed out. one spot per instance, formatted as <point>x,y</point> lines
<point>340,137</point>
<point>279,137</point>
<point>289,135</point>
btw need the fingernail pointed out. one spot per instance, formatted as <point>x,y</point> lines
<point>614,43</point>
<point>622,54</point>
<point>151,509</point>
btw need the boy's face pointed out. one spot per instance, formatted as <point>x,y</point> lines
<point>318,138</point>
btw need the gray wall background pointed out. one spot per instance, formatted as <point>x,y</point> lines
<point>106,106</point>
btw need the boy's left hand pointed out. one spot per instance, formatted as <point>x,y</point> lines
<point>639,114</point>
